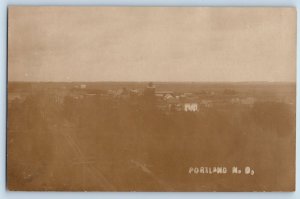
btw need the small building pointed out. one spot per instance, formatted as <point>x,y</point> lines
<point>134,92</point>
<point>163,93</point>
<point>149,90</point>
<point>206,103</point>
<point>190,107</point>
<point>122,93</point>
<point>168,97</point>
<point>188,94</point>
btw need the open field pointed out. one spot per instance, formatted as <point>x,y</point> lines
<point>125,133</point>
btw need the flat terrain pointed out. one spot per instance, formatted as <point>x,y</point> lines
<point>96,136</point>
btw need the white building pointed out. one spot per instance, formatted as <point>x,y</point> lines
<point>190,107</point>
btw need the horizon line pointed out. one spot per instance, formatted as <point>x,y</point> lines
<point>17,81</point>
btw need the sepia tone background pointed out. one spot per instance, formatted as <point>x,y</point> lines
<point>151,44</point>
<point>169,45</point>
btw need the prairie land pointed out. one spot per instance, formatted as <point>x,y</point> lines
<point>112,136</point>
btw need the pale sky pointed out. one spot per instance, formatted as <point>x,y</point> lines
<point>151,44</point>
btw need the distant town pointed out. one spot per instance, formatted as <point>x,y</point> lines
<point>89,125</point>
<point>165,100</point>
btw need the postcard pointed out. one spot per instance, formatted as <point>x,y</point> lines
<point>151,99</point>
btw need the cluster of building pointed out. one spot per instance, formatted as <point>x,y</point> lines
<point>167,100</point>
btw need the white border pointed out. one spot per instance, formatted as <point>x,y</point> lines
<point>45,195</point>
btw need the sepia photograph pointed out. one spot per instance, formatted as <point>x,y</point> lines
<point>151,99</point>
